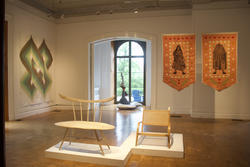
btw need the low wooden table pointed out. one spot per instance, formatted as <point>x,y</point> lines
<point>85,125</point>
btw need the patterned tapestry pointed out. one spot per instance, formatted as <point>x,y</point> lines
<point>179,60</point>
<point>36,62</point>
<point>219,59</point>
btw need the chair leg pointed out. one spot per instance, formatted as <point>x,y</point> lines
<point>168,141</point>
<point>98,139</point>
<point>136,140</point>
<point>137,131</point>
<point>65,134</point>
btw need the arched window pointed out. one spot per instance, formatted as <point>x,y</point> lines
<point>130,62</point>
<point>123,50</point>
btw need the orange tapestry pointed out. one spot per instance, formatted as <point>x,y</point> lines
<point>179,60</point>
<point>219,59</point>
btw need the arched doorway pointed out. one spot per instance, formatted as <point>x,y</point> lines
<point>98,62</point>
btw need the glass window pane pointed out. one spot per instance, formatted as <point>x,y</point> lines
<point>137,64</point>
<point>137,79</point>
<point>123,50</point>
<point>122,67</point>
<point>136,49</point>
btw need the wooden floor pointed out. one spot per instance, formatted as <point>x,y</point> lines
<point>207,142</point>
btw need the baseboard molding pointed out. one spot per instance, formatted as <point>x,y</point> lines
<point>34,112</point>
<point>77,107</point>
<point>181,111</point>
<point>66,107</point>
<point>176,110</point>
<point>221,116</point>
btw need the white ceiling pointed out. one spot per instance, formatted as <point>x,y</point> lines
<point>70,8</point>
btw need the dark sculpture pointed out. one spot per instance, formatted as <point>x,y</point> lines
<point>123,99</point>
<point>179,63</point>
<point>219,58</point>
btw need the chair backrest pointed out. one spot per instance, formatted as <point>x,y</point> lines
<point>156,117</point>
<point>74,101</point>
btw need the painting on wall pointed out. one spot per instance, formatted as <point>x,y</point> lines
<point>179,60</point>
<point>37,62</point>
<point>219,53</point>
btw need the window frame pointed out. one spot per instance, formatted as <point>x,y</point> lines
<point>116,45</point>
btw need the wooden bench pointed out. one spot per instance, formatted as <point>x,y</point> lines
<point>86,125</point>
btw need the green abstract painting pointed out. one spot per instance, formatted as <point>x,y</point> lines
<point>37,62</point>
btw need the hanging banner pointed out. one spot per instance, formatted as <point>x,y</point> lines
<point>179,60</point>
<point>219,53</point>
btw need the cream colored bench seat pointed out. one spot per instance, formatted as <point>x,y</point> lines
<point>86,125</point>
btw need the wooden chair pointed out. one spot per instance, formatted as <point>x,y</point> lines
<point>85,125</point>
<point>155,118</point>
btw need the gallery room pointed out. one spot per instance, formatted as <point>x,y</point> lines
<point>126,83</point>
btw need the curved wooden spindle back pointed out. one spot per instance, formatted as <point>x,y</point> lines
<point>88,103</point>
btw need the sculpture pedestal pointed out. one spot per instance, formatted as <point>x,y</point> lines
<point>130,106</point>
<point>119,155</point>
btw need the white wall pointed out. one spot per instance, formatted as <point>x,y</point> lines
<point>73,39</point>
<point>198,99</point>
<point>232,102</point>
<point>23,25</point>
<point>70,39</point>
